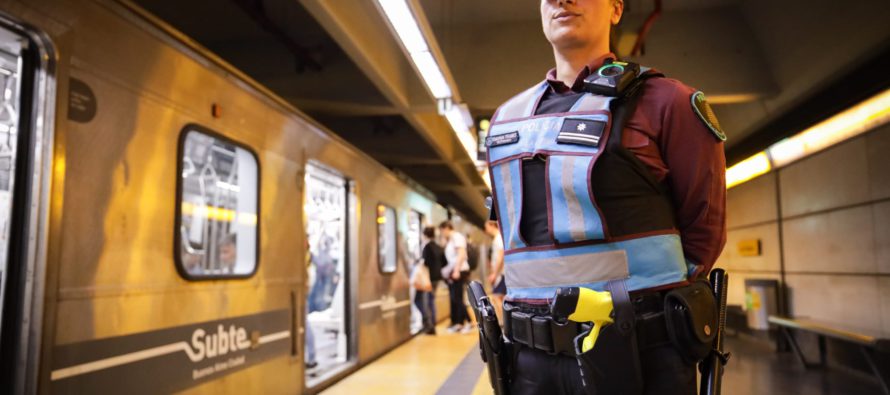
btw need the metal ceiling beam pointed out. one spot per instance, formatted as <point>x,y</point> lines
<point>343,108</point>
<point>365,37</point>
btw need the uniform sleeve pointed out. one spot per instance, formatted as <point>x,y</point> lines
<point>697,178</point>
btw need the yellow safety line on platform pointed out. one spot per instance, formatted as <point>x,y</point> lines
<point>419,366</point>
<point>483,386</point>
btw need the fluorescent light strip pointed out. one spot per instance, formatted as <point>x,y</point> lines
<point>456,118</point>
<point>431,74</point>
<point>850,123</point>
<point>747,169</point>
<point>403,22</point>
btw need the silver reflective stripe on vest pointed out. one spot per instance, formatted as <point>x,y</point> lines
<point>521,105</point>
<point>576,215</point>
<point>569,270</point>
<point>507,181</point>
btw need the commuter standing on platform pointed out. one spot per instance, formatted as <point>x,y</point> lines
<point>433,258</point>
<point>606,177</point>
<point>456,274</point>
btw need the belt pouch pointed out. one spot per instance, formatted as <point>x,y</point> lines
<point>612,367</point>
<point>691,316</point>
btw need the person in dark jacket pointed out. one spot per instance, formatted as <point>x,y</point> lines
<point>433,255</point>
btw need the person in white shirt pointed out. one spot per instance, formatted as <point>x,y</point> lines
<point>496,272</point>
<point>456,274</point>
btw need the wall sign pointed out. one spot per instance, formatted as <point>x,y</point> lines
<point>749,247</point>
<point>81,101</point>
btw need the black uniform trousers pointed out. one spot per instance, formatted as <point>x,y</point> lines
<point>456,290</point>
<point>537,372</point>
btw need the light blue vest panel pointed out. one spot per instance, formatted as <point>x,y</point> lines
<point>582,254</point>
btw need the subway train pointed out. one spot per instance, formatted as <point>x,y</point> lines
<point>169,225</point>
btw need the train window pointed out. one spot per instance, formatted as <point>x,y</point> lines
<point>217,228</point>
<point>386,239</point>
<point>414,249</point>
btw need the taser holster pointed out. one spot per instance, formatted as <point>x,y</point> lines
<point>495,349</point>
<point>613,365</point>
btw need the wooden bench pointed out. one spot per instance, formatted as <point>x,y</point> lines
<point>868,342</point>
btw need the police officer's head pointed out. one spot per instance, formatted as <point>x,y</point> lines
<point>579,24</point>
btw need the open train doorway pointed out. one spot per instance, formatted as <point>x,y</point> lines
<point>326,350</point>
<point>413,254</point>
<point>27,97</point>
<point>10,86</point>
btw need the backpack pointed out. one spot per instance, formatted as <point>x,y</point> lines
<point>472,256</point>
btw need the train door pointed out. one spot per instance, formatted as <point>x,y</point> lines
<point>413,241</point>
<point>327,302</point>
<point>27,97</point>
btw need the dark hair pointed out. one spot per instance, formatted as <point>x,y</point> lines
<point>446,225</point>
<point>429,232</point>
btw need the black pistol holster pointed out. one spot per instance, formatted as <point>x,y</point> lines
<point>495,349</point>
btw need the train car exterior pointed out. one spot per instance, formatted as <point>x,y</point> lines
<point>130,129</point>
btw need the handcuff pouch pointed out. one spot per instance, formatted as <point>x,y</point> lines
<point>691,317</point>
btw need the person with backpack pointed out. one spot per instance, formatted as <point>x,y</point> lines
<point>456,273</point>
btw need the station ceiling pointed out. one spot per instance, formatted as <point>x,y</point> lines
<point>770,69</point>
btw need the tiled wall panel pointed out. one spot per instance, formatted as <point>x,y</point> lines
<point>878,146</point>
<point>752,202</point>
<point>853,301</point>
<point>837,241</point>
<point>834,178</point>
<point>881,215</point>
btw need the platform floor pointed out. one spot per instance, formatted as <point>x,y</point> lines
<point>449,364</point>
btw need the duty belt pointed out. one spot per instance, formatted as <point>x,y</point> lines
<point>534,327</point>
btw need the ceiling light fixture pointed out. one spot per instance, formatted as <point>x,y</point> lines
<point>858,119</point>
<point>406,27</point>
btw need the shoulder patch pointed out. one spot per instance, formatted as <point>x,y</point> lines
<point>701,108</point>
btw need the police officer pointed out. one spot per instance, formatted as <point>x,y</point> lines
<point>590,186</point>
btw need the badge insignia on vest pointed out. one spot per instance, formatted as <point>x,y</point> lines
<point>703,110</point>
<point>581,131</point>
<point>501,139</point>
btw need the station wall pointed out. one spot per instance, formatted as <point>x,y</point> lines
<point>823,223</point>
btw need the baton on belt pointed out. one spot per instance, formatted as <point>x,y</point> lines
<point>712,366</point>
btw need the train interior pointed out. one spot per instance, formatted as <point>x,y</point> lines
<point>10,86</point>
<point>327,307</point>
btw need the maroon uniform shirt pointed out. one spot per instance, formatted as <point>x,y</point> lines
<point>675,145</point>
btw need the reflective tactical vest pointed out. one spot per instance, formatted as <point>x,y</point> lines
<point>608,217</point>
